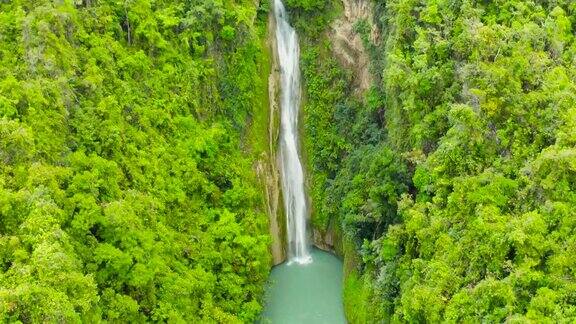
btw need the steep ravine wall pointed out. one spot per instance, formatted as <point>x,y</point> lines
<point>267,167</point>
<point>347,47</point>
<point>341,42</point>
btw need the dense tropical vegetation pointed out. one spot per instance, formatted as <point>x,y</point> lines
<point>130,130</point>
<point>126,190</point>
<point>453,178</point>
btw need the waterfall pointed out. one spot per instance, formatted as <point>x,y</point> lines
<point>291,167</point>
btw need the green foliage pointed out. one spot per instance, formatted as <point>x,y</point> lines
<point>312,17</point>
<point>124,193</point>
<point>460,199</point>
<point>306,5</point>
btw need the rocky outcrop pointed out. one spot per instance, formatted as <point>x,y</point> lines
<point>329,240</point>
<point>348,47</point>
<point>324,241</point>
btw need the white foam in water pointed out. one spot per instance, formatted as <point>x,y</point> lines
<point>291,167</point>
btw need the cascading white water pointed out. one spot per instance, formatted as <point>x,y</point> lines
<point>291,168</point>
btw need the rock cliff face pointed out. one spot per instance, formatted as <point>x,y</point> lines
<point>347,44</point>
<point>268,169</point>
<point>329,240</point>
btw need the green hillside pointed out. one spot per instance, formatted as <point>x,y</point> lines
<point>125,193</point>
